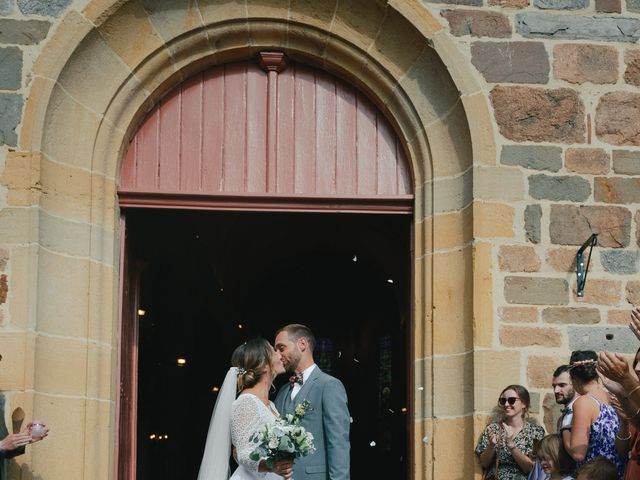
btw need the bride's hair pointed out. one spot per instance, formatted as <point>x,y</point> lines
<point>254,359</point>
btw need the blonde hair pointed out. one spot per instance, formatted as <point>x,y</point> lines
<point>552,447</point>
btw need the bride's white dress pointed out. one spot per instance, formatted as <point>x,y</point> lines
<point>248,414</point>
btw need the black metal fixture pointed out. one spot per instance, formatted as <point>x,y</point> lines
<point>581,269</point>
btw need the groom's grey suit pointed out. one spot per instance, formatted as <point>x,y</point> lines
<point>329,422</point>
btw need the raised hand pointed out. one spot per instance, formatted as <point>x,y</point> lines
<point>509,434</point>
<point>493,436</point>
<point>614,387</point>
<point>613,366</point>
<point>634,325</point>
<point>615,403</point>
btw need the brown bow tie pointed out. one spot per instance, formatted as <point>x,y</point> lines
<point>295,378</point>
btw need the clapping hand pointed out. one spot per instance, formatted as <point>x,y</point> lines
<point>509,434</point>
<point>493,436</point>
<point>613,366</point>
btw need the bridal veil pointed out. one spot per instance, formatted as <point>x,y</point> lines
<point>215,461</point>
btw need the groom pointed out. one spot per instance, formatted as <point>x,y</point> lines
<point>328,417</point>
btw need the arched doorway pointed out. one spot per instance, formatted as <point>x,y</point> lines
<point>237,138</point>
<point>90,89</point>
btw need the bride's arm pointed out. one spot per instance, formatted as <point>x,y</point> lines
<point>245,421</point>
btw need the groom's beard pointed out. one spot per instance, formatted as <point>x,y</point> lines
<point>294,361</point>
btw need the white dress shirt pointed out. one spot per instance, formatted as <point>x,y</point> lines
<point>305,376</point>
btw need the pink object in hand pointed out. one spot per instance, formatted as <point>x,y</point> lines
<point>37,429</point>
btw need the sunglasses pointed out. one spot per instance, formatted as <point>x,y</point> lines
<point>511,400</point>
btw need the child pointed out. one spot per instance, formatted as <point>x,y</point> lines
<point>598,468</point>
<point>554,459</point>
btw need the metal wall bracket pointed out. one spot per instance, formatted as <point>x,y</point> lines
<point>581,269</point>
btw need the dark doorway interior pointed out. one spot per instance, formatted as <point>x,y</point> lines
<point>213,279</point>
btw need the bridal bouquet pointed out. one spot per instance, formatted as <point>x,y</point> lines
<point>283,438</point>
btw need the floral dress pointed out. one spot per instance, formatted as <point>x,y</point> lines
<point>508,468</point>
<point>602,437</point>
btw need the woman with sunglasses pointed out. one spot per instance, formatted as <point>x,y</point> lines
<point>595,424</point>
<point>505,446</point>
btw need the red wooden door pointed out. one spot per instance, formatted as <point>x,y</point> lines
<point>236,136</point>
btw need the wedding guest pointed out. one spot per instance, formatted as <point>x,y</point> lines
<point>615,371</point>
<point>565,395</point>
<point>12,445</point>
<point>555,460</point>
<point>598,468</point>
<point>595,422</point>
<point>505,446</point>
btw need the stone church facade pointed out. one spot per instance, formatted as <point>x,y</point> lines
<point>521,123</point>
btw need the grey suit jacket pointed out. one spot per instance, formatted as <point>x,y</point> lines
<point>329,422</point>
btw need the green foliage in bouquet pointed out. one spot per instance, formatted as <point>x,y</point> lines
<point>284,438</point>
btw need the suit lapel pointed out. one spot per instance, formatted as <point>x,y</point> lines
<point>289,404</point>
<point>284,403</point>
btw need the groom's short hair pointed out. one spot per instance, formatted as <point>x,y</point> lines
<point>297,331</point>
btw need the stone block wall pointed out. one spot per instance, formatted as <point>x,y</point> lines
<point>562,78</point>
<point>24,25</point>
<point>57,363</point>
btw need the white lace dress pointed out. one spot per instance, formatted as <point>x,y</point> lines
<point>248,414</point>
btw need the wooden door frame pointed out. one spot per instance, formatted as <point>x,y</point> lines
<point>127,362</point>
<point>127,401</point>
<point>398,204</point>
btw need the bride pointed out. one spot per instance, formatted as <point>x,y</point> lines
<point>255,365</point>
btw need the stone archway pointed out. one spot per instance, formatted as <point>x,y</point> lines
<point>100,73</point>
